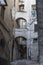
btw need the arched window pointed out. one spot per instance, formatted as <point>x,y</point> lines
<point>21,23</point>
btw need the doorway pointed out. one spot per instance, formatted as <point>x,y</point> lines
<point>21,48</point>
<point>22,51</point>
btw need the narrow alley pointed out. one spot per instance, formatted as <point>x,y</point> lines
<point>21,32</point>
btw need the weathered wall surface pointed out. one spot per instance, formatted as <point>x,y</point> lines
<point>6,28</point>
<point>40,28</point>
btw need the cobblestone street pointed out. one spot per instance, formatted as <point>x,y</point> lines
<point>24,62</point>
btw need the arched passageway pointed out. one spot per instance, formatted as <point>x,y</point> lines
<point>21,47</point>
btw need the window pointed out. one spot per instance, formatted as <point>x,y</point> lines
<point>34,13</point>
<point>21,23</point>
<point>21,7</point>
<point>35,40</point>
<point>34,10</point>
<point>2,11</point>
<point>35,27</point>
<point>12,12</point>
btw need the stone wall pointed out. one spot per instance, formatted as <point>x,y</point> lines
<point>40,28</point>
<point>6,28</point>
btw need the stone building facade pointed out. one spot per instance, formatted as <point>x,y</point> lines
<point>26,45</point>
<point>6,31</point>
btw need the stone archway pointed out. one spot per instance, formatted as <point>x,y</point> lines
<point>21,22</point>
<point>21,49</point>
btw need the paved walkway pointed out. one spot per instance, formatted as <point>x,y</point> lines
<point>24,62</point>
